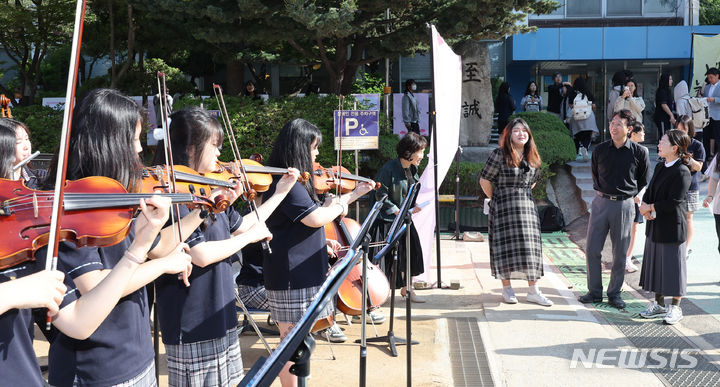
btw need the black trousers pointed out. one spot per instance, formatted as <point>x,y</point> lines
<point>583,139</point>
<point>414,127</point>
<point>717,229</point>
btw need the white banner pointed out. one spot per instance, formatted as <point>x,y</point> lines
<point>706,54</point>
<point>447,83</point>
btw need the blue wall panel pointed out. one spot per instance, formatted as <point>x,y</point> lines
<point>581,43</point>
<point>668,42</point>
<point>625,43</point>
<point>539,45</point>
<point>611,43</point>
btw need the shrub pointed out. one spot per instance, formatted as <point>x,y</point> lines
<point>542,121</point>
<point>44,123</point>
<point>469,176</point>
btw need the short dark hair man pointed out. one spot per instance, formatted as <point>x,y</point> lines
<point>619,171</point>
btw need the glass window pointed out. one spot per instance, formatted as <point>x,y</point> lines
<point>624,8</point>
<point>660,6</point>
<point>560,11</point>
<point>583,8</point>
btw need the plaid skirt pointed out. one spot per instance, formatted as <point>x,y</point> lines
<point>692,203</point>
<point>144,379</point>
<point>254,297</point>
<point>514,235</point>
<point>288,306</point>
<point>215,362</point>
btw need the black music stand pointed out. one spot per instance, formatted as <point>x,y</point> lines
<point>298,344</point>
<point>400,226</point>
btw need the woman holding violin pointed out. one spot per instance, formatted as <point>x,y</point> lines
<point>105,141</point>
<point>199,323</point>
<point>79,319</point>
<point>395,177</point>
<point>298,264</point>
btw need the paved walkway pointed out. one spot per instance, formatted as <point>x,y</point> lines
<point>468,337</point>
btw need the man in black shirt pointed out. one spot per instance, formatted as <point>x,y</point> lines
<point>555,94</point>
<point>619,170</point>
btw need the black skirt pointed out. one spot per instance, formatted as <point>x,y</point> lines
<point>417,265</point>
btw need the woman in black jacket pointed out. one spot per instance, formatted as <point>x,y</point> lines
<point>663,267</point>
<point>504,106</point>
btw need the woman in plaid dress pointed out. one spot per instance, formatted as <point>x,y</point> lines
<point>514,227</point>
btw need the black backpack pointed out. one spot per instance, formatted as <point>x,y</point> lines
<point>552,219</point>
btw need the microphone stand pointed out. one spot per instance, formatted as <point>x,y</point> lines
<point>456,235</point>
<point>363,317</point>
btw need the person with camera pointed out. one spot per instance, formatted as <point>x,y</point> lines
<point>630,100</point>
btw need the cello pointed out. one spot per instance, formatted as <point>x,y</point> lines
<point>350,292</point>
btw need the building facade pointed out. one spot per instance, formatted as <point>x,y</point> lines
<point>596,38</point>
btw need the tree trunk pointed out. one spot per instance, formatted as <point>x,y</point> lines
<point>113,65</point>
<point>234,77</point>
<point>348,78</point>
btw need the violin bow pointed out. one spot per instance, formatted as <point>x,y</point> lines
<point>339,152</point>
<point>238,160</point>
<point>169,164</point>
<point>59,191</point>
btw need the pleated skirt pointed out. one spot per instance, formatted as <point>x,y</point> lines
<point>663,268</point>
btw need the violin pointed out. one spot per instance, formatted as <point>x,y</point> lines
<point>327,179</point>
<point>259,175</point>
<point>97,211</point>
<point>187,180</point>
<point>350,292</point>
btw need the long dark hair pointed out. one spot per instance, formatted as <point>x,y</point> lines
<point>190,129</point>
<point>7,148</point>
<point>664,82</point>
<point>537,89</point>
<point>580,87</point>
<point>102,140</point>
<point>530,152</point>
<point>503,90</point>
<point>689,125</point>
<point>292,149</point>
<point>618,79</point>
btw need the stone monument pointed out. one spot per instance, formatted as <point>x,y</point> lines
<point>477,104</point>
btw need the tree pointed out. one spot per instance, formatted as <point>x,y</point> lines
<point>30,29</point>
<point>342,35</point>
<point>709,12</point>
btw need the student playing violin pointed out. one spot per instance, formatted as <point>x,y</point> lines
<point>105,141</point>
<point>199,323</point>
<point>298,264</point>
<point>28,285</point>
<point>23,150</point>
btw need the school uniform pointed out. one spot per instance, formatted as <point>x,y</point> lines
<point>663,269</point>
<point>298,264</point>
<point>18,363</point>
<point>120,350</point>
<point>199,322</point>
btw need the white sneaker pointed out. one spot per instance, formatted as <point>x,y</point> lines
<point>509,295</point>
<point>335,334</point>
<point>674,315</point>
<point>630,267</point>
<point>583,151</point>
<point>539,298</point>
<point>653,310</point>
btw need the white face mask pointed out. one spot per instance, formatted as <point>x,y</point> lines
<point>413,87</point>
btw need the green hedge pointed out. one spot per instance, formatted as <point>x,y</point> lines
<point>44,123</point>
<point>469,177</point>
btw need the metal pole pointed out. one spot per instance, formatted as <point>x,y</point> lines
<point>387,77</point>
<point>408,308</point>
<point>433,133</point>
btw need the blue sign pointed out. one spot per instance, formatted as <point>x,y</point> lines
<point>359,129</point>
